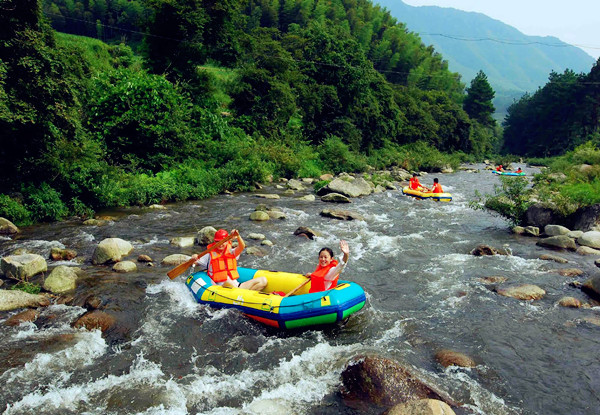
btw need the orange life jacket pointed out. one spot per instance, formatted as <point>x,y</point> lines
<point>437,188</point>
<point>317,278</point>
<point>414,183</point>
<point>223,265</point>
<point>499,168</point>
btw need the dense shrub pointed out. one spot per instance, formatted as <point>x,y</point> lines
<point>511,200</point>
<point>14,211</point>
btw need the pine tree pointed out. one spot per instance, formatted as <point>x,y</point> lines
<point>478,102</point>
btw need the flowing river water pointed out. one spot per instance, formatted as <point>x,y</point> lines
<point>170,355</point>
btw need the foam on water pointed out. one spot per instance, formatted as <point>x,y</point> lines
<point>179,296</point>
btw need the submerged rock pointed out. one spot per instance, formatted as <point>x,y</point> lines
<point>522,292</point>
<point>452,358</point>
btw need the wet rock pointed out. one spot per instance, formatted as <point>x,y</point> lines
<point>558,242</point>
<point>586,250</point>
<point>62,279</point>
<point>355,188</point>
<point>383,382</point>
<point>592,287</point>
<point>259,216</point>
<point>597,262</point>
<point>575,234</point>
<point>308,198</point>
<point>183,241</point>
<point>267,196</point>
<point>253,250</point>
<point>482,250</point>
<point>206,235</point>
<point>94,222</point>
<point>144,258</point>
<point>570,272</point>
<point>306,231</point>
<point>274,214</point>
<point>495,279</point>
<point>157,207</point>
<point>591,239</point>
<point>256,236</point>
<point>522,292</point>
<point>326,176</point>
<point>421,407</point>
<point>518,230</point>
<point>125,266</point>
<point>92,302</point>
<point>594,320</point>
<point>555,230</point>
<point>14,299</point>
<point>23,266</point>
<point>7,227</point>
<point>22,317</point>
<point>540,216</point>
<point>289,192</point>
<point>95,320</point>
<point>59,254</point>
<point>266,242</point>
<point>531,231</point>
<point>111,250</point>
<point>570,302</point>
<point>585,218</point>
<point>294,184</point>
<point>307,180</point>
<point>175,259</point>
<point>451,358</point>
<point>335,198</point>
<point>341,214</point>
<point>555,258</point>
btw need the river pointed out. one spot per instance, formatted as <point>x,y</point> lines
<point>173,356</point>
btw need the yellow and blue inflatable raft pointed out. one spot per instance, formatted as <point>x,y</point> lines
<point>299,310</point>
<point>507,173</point>
<point>438,197</point>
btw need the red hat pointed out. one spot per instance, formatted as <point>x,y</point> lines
<point>220,235</point>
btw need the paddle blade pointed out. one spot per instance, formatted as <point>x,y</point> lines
<point>180,269</point>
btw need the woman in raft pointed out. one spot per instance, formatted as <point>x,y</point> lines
<point>328,270</point>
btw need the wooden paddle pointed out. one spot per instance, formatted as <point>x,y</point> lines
<point>297,288</point>
<point>181,268</point>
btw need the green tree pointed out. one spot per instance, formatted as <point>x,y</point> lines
<point>478,102</point>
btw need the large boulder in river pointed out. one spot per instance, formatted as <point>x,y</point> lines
<point>540,215</point>
<point>591,239</point>
<point>584,218</point>
<point>341,214</point>
<point>111,250</point>
<point>592,287</point>
<point>522,292</point>
<point>14,299</point>
<point>555,230</point>
<point>7,227</point>
<point>175,259</point>
<point>558,242</point>
<point>23,266</point>
<point>483,250</point>
<point>383,382</point>
<point>355,188</point>
<point>62,279</point>
<point>206,235</point>
<point>421,407</point>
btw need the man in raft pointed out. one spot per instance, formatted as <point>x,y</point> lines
<point>500,168</point>
<point>221,264</point>
<point>437,187</point>
<point>414,184</point>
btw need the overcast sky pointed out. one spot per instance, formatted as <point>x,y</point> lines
<point>576,22</point>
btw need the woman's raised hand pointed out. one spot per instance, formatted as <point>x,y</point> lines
<point>344,247</point>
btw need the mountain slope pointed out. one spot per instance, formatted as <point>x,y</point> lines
<point>514,63</point>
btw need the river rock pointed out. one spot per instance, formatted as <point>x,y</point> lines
<point>584,218</point>
<point>267,196</point>
<point>575,234</point>
<point>383,382</point>
<point>555,258</point>
<point>183,241</point>
<point>253,250</point>
<point>206,235</point>
<point>125,266</point>
<point>22,317</point>
<point>144,258</point>
<point>266,242</point>
<point>421,407</point>
<point>494,279</point>
<point>288,192</point>
<point>94,222</point>
<point>295,185</point>
<point>570,302</point>
<point>522,292</point>
<point>335,198</point>
<point>175,259</point>
<point>586,250</point>
<point>482,250</point>
<point>555,230</point>
<point>7,227</point>
<point>591,239</point>
<point>157,207</point>
<point>305,230</point>
<point>256,236</point>
<point>592,287</point>
<point>560,242</point>
<point>518,230</point>
<point>451,358</point>
<point>95,320</point>
<point>597,262</point>
<point>259,216</point>
<point>308,198</point>
<point>540,215</point>
<point>275,214</point>
<point>325,177</point>
<point>531,231</point>
<point>14,299</point>
<point>111,250</point>
<point>60,254</point>
<point>62,279</point>
<point>570,272</point>
<point>341,214</point>
<point>355,188</point>
<point>23,266</point>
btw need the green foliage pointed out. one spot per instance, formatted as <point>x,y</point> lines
<point>478,102</point>
<point>338,158</point>
<point>44,203</point>
<point>14,211</point>
<point>320,184</point>
<point>510,200</point>
<point>27,287</point>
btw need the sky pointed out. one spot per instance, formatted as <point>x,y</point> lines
<point>576,22</point>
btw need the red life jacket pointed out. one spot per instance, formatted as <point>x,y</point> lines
<point>317,278</point>
<point>414,183</point>
<point>437,188</point>
<point>223,265</point>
